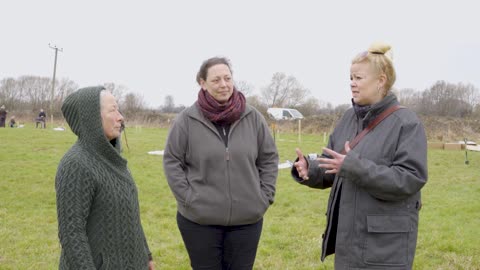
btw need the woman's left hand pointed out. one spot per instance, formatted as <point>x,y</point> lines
<point>333,165</point>
<point>151,266</point>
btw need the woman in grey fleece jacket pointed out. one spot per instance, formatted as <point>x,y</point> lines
<point>372,214</point>
<point>221,163</point>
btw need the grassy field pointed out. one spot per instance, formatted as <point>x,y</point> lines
<point>449,220</point>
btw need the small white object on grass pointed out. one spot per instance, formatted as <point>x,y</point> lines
<point>287,164</point>
<point>157,152</point>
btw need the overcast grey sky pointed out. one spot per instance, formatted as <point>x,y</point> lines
<point>156,47</point>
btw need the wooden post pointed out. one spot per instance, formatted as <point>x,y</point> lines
<point>53,82</point>
<point>274,131</point>
<point>299,130</point>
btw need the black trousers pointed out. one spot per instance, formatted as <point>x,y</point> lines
<point>217,247</point>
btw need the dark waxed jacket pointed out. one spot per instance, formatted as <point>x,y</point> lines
<point>216,184</point>
<point>372,215</point>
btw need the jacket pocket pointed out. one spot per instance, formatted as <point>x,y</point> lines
<point>387,240</point>
<point>188,197</point>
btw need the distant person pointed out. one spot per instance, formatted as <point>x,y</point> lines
<point>13,123</point>
<point>41,119</point>
<point>3,116</point>
<point>372,214</point>
<point>97,202</point>
<point>221,163</point>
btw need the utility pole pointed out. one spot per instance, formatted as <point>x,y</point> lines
<point>53,80</point>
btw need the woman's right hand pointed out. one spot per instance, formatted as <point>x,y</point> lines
<point>301,165</point>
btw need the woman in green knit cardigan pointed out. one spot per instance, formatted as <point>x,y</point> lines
<point>97,202</point>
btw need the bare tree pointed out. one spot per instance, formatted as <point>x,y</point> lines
<point>297,93</point>
<point>30,93</point>
<point>310,107</point>
<point>63,88</point>
<point>448,99</point>
<point>168,105</point>
<point>244,87</point>
<point>37,91</point>
<point>132,104</point>
<point>117,90</point>
<point>326,108</point>
<point>342,108</point>
<point>284,91</point>
<point>256,102</point>
<point>274,93</point>
<point>405,96</point>
<point>410,98</point>
<point>476,111</point>
<point>10,94</point>
<point>470,94</point>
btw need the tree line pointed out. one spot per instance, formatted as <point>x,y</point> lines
<point>28,94</point>
<point>440,99</point>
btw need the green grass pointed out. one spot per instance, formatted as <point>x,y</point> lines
<point>449,220</point>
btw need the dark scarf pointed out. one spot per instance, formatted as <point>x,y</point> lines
<point>221,113</point>
<point>360,110</point>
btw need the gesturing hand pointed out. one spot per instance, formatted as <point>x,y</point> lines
<point>301,165</point>
<point>333,165</point>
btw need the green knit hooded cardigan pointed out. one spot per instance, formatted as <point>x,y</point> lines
<point>97,202</point>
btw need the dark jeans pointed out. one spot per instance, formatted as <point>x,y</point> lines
<point>217,247</point>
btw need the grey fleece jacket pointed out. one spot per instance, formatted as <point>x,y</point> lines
<point>97,203</point>
<point>372,214</point>
<point>215,184</point>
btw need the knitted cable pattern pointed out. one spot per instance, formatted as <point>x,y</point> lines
<point>97,202</point>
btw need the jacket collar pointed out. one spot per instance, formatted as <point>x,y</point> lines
<point>377,108</point>
<point>389,100</point>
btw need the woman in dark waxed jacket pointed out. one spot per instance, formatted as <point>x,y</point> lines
<point>372,214</point>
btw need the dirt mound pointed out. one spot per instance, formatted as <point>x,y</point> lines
<point>448,129</point>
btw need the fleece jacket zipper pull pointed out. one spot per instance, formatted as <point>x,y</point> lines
<point>227,154</point>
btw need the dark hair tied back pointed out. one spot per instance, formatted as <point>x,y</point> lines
<point>202,72</point>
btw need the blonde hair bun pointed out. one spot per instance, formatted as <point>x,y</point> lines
<point>381,48</point>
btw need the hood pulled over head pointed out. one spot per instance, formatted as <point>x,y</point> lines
<point>82,111</point>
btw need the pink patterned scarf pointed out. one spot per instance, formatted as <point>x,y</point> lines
<point>221,113</point>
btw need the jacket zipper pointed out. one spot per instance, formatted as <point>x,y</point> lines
<point>227,158</point>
